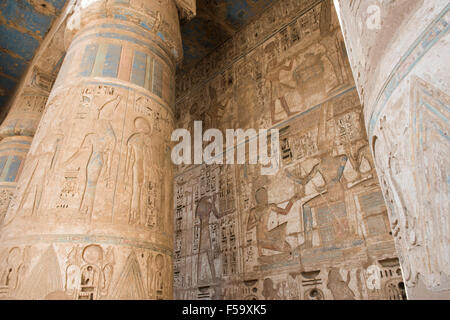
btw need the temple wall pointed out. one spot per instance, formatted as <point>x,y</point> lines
<point>314,229</point>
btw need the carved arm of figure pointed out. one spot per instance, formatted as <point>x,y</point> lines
<point>129,162</point>
<point>213,207</point>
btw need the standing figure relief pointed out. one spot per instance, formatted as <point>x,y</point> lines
<point>278,88</point>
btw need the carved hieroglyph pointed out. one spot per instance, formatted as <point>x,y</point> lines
<point>26,110</point>
<point>95,196</point>
<point>310,231</point>
<point>406,108</point>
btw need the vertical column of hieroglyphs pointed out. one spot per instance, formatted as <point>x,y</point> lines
<point>397,51</point>
<point>92,216</point>
<point>318,227</point>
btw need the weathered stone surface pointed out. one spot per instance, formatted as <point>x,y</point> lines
<point>92,217</point>
<point>312,230</point>
<point>402,73</point>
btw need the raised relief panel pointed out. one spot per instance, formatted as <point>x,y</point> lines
<point>392,284</point>
<point>339,286</point>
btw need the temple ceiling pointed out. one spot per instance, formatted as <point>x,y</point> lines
<point>25,23</point>
<point>23,26</point>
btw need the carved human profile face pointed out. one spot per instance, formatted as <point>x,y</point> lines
<point>142,125</point>
<point>159,262</point>
<point>92,254</point>
<point>14,257</point>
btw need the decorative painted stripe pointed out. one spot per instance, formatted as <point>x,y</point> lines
<point>138,70</point>
<point>435,31</point>
<point>10,169</point>
<point>148,73</point>
<point>99,60</point>
<point>112,60</point>
<point>87,62</point>
<point>2,165</point>
<point>13,169</point>
<point>157,78</point>
<point>125,64</point>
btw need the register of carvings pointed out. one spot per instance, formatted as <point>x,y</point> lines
<point>312,230</point>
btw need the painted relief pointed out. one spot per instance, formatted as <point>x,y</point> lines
<point>309,231</point>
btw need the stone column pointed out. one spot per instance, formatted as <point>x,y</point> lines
<point>399,56</point>
<point>92,215</point>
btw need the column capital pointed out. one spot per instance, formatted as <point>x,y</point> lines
<point>157,18</point>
